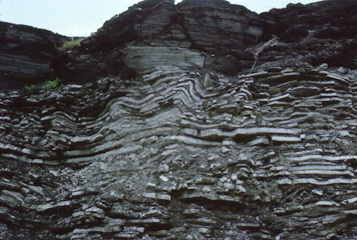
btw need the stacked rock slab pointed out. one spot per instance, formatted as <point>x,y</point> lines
<point>268,155</point>
<point>231,39</point>
<point>195,24</point>
<point>180,151</point>
<point>316,33</point>
<point>151,25</point>
<point>27,55</point>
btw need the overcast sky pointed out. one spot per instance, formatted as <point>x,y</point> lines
<point>82,17</point>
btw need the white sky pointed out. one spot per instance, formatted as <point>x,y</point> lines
<point>82,17</point>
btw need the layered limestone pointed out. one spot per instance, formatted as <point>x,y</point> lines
<point>27,55</point>
<point>162,129</point>
<point>232,39</point>
<point>162,31</point>
<point>263,155</point>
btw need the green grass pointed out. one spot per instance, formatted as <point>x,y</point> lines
<point>52,84</point>
<point>71,44</point>
<point>30,88</point>
<point>47,85</point>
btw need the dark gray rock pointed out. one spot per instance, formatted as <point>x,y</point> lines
<point>214,27</point>
<point>322,32</point>
<point>155,142</point>
<point>166,157</point>
<point>27,55</point>
<point>218,26</point>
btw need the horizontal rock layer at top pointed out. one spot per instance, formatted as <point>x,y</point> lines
<point>213,26</point>
<point>320,32</point>
<point>27,54</point>
<point>231,38</point>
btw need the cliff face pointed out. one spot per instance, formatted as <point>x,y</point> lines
<point>163,130</point>
<point>323,32</point>
<point>211,26</point>
<point>26,55</point>
<point>129,42</point>
<point>229,38</point>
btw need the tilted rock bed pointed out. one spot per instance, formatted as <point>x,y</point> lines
<point>182,155</point>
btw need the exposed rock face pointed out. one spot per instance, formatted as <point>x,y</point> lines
<point>26,54</point>
<point>231,38</point>
<point>323,32</point>
<point>205,20</point>
<point>159,145</point>
<point>206,25</point>
<point>182,155</point>
<point>209,26</point>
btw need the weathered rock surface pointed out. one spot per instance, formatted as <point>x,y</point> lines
<point>152,142</point>
<point>322,32</point>
<point>242,27</point>
<point>270,155</point>
<point>231,38</point>
<point>27,55</point>
<point>212,27</point>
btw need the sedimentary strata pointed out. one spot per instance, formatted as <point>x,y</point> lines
<point>146,139</point>
<point>27,55</point>
<point>168,157</point>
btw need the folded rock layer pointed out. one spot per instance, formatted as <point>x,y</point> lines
<point>151,136</point>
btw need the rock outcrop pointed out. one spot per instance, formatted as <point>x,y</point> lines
<point>161,28</point>
<point>27,55</point>
<point>154,137</point>
<point>323,32</point>
<point>230,38</point>
<point>188,24</point>
<point>182,155</point>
